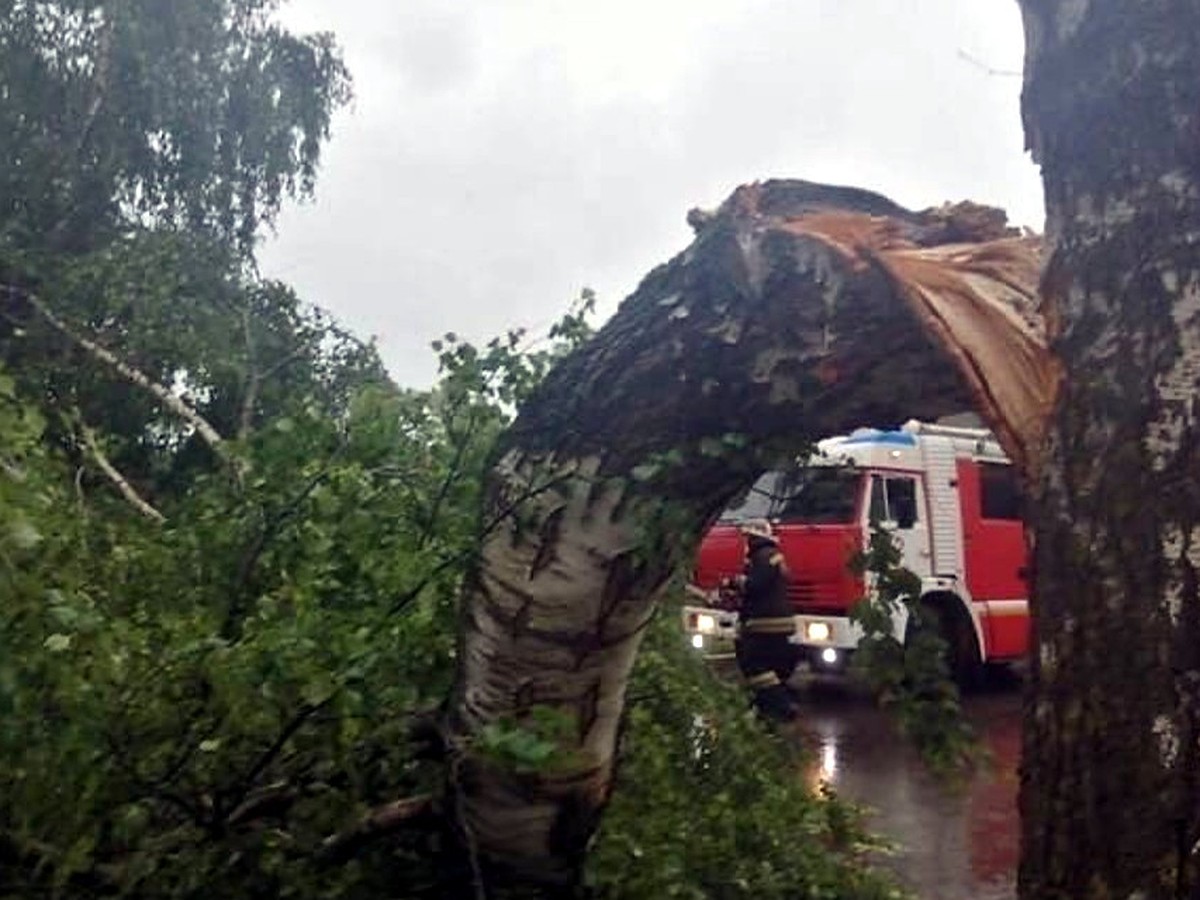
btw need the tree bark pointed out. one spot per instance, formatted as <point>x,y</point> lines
<point>1110,793</point>
<point>800,310</point>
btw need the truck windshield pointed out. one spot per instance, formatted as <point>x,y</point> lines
<point>817,495</point>
<point>757,503</point>
<point>820,495</point>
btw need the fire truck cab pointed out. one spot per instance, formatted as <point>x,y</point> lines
<point>947,494</point>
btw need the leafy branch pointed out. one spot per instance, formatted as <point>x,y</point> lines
<point>248,780</point>
<point>454,474</point>
<point>271,527</point>
<point>509,510</point>
<point>910,676</point>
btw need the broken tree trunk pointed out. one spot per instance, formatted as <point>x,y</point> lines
<point>800,310</point>
<point>1110,794</point>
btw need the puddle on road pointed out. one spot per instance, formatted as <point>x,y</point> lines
<point>951,842</point>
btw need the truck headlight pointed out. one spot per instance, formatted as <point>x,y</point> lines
<point>698,641</point>
<point>706,624</point>
<point>817,631</point>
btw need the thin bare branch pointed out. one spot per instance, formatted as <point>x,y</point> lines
<point>253,380</point>
<point>984,67</point>
<point>120,481</point>
<point>453,473</point>
<point>273,800</point>
<point>255,377</point>
<point>103,68</point>
<point>378,822</point>
<point>286,360</point>
<point>80,499</point>
<point>171,401</point>
<point>289,730</point>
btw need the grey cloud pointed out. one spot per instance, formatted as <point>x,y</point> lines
<point>457,198</point>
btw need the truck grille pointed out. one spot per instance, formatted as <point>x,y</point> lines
<point>815,597</point>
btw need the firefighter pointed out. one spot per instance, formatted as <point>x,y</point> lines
<point>765,653</point>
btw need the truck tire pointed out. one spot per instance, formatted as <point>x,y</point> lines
<point>962,649</point>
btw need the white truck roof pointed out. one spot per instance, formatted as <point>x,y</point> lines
<point>902,448</point>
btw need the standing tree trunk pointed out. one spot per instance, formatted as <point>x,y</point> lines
<point>800,310</point>
<point>1110,794</point>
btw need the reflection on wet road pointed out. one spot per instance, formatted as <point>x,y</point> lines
<point>952,842</point>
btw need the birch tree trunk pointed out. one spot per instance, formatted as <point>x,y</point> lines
<point>1110,794</point>
<point>800,310</point>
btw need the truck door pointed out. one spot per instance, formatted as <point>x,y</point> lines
<point>994,538</point>
<point>898,504</point>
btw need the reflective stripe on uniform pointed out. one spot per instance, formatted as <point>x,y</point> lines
<point>762,680</point>
<point>774,625</point>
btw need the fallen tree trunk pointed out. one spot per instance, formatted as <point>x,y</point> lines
<point>800,310</point>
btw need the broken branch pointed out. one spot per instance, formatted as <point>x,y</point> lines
<point>203,427</point>
<point>122,484</point>
<point>382,820</point>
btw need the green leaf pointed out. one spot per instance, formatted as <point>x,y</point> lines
<point>57,643</point>
<point>23,534</point>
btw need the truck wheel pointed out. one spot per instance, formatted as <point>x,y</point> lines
<point>962,650</point>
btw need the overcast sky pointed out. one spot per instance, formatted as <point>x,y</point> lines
<point>500,155</point>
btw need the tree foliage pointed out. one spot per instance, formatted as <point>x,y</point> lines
<point>202,115</point>
<point>209,703</point>
<point>714,805</point>
<point>909,673</point>
<point>230,548</point>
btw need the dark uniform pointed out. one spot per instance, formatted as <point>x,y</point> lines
<point>764,650</point>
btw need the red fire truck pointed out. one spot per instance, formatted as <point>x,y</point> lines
<point>951,500</point>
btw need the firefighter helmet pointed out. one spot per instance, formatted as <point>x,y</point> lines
<point>759,528</point>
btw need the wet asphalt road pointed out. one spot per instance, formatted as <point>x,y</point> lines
<point>951,842</point>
